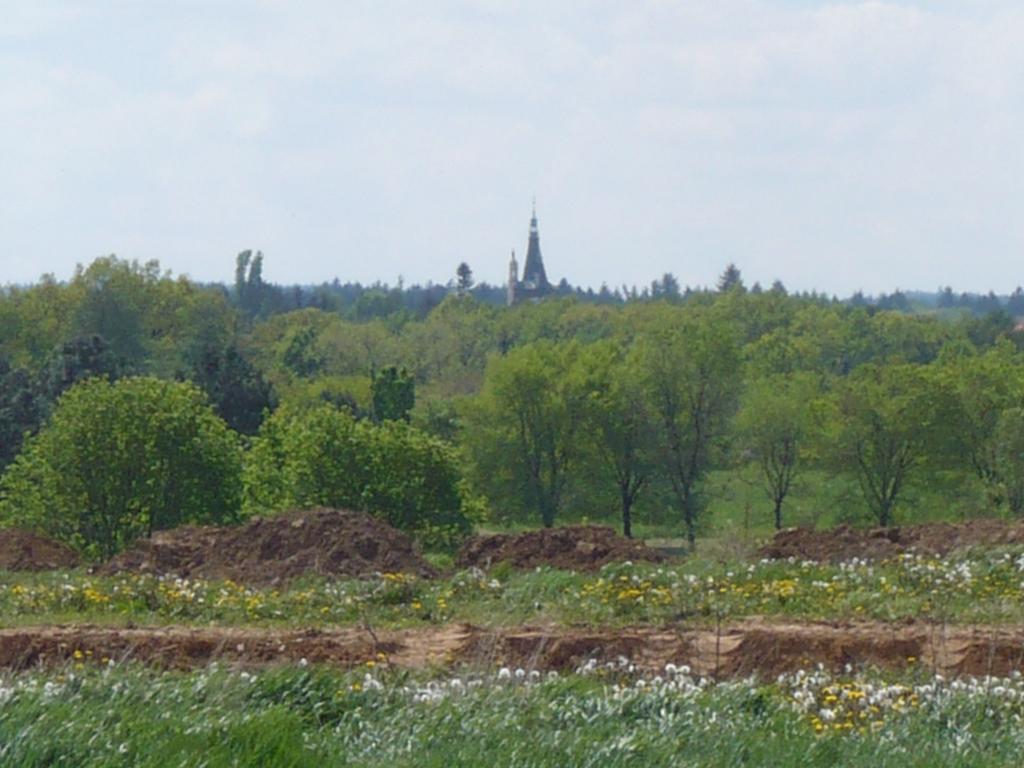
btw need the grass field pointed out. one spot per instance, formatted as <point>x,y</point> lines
<point>472,712</point>
<point>599,716</point>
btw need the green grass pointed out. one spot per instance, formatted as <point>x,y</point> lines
<point>130,716</point>
<point>981,587</point>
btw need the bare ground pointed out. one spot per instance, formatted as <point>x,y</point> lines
<point>845,542</point>
<point>736,650</point>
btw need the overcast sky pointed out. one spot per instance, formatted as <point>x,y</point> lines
<point>837,146</point>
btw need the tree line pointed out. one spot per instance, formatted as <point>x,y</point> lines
<point>547,412</point>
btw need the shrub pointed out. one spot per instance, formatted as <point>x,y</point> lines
<point>121,460</point>
<point>324,457</point>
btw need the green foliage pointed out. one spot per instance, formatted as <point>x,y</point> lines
<point>301,356</point>
<point>889,425</point>
<point>117,303</point>
<point>329,344</point>
<point>394,395</point>
<point>691,371</point>
<point>464,277</point>
<point>618,425</point>
<point>297,717</point>
<point>79,359</point>
<point>986,385</point>
<point>237,390</point>
<point>323,456</point>
<point>1008,453</point>
<point>774,427</point>
<point>522,431</point>
<point>20,410</point>
<point>121,460</point>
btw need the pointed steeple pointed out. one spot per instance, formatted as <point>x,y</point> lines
<point>534,276</point>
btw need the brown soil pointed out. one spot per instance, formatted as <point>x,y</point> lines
<point>748,648</point>
<point>272,550</point>
<point>575,547</point>
<point>845,543</point>
<point>22,550</point>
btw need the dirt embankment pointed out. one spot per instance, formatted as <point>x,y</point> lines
<point>737,650</point>
<point>273,550</point>
<point>844,543</point>
<point>574,547</point>
<point>22,550</point>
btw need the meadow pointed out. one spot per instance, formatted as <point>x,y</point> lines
<point>979,587</point>
<point>598,715</point>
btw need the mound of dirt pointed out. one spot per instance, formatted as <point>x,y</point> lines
<point>845,543</point>
<point>574,547</point>
<point>273,550</point>
<point>22,550</point>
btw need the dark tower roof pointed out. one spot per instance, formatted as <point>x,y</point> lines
<point>534,276</point>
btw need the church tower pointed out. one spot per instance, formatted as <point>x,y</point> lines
<point>513,278</point>
<point>534,284</point>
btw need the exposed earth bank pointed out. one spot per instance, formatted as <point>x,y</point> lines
<point>739,649</point>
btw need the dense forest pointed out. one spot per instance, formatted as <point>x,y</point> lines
<point>132,400</point>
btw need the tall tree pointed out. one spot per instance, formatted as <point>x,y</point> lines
<point>774,425</point>
<point>891,425</point>
<point>464,279</point>
<point>986,385</point>
<point>619,425</point>
<point>1009,457</point>
<point>521,431</point>
<point>730,279</point>
<point>690,365</point>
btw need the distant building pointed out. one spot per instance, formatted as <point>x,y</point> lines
<point>534,285</point>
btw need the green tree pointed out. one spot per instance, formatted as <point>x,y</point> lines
<point>619,425</point>
<point>79,359</point>
<point>986,384</point>
<point>21,410</point>
<point>891,425</point>
<point>394,395</point>
<point>1009,457</point>
<point>464,280</point>
<point>521,431</point>
<point>323,456</point>
<point>237,391</point>
<point>730,279</point>
<point>302,357</point>
<point>121,460</point>
<point>690,366</point>
<point>774,426</point>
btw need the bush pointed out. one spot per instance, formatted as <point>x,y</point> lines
<point>324,457</point>
<point>121,460</point>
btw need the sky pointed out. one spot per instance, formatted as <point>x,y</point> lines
<point>837,146</point>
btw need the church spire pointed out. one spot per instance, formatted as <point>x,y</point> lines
<point>534,284</point>
<point>534,276</point>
